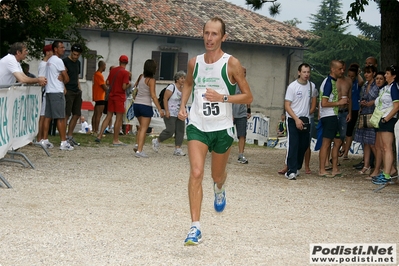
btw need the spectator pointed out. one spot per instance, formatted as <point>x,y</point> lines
<point>55,100</point>
<point>388,103</point>
<point>73,94</point>
<point>241,113</point>
<point>366,136</point>
<point>282,127</point>
<point>98,92</point>
<point>174,126</point>
<point>118,81</point>
<point>329,106</point>
<point>25,68</point>
<point>142,104</point>
<point>11,70</point>
<point>47,52</point>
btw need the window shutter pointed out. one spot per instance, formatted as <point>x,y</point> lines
<point>182,61</point>
<point>156,56</point>
<point>91,64</point>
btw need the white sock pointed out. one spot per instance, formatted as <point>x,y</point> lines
<point>196,224</point>
<point>217,190</point>
<point>63,142</point>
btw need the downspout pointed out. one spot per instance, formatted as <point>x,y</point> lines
<point>131,55</point>
<point>288,68</point>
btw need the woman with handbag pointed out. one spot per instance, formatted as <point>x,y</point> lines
<point>388,103</point>
<point>366,135</point>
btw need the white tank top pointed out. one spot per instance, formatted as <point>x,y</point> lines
<point>205,115</point>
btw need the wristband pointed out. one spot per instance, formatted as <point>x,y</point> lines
<point>248,110</point>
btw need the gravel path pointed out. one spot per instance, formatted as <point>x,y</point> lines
<point>102,206</point>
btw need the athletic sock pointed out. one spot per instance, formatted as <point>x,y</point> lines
<point>196,224</point>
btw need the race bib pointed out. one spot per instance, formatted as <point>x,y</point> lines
<point>208,109</point>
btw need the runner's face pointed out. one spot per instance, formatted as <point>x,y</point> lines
<point>213,35</point>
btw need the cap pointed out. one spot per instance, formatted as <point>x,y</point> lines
<point>123,59</point>
<point>47,48</point>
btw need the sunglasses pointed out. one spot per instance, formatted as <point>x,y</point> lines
<point>76,48</point>
<point>392,67</point>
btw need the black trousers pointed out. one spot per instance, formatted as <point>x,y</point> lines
<point>298,143</point>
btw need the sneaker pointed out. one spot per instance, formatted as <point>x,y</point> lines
<point>242,160</point>
<point>47,144</point>
<point>155,145</point>
<point>291,176</point>
<point>140,155</point>
<point>380,180</point>
<point>220,200</point>
<point>136,147</point>
<point>179,152</point>
<point>297,173</point>
<point>194,237</point>
<point>72,141</point>
<point>66,147</point>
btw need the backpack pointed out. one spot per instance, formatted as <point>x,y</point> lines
<point>162,93</point>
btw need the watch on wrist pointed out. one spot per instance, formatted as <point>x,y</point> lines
<point>225,98</point>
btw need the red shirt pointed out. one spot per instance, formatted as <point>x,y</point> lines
<point>122,77</point>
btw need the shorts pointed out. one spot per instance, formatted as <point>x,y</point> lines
<point>351,124</point>
<point>388,126</point>
<point>330,127</point>
<point>217,141</point>
<point>100,103</point>
<point>142,110</point>
<point>43,109</point>
<point>55,105</point>
<point>116,106</point>
<point>105,111</point>
<point>73,103</point>
<point>241,126</point>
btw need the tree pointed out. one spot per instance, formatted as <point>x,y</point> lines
<point>293,22</point>
<point>368,31</point>
<point>328,17</point>
<point>389,10</point>
<point>34,21</point>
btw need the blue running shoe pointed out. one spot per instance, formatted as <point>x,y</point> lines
<point>194,237</point>
<point>220,200</point>
<point>380,180</point>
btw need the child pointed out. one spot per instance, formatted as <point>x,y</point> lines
<point>281,127</point>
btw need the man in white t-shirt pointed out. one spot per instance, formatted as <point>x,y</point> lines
<point>297,105</point>
<point>47,52</point>
<point>11,70</point>
<point>57,76</point>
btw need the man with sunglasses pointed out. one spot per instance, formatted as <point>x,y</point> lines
<point>73,96</point>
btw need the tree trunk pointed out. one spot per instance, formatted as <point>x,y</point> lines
<point>389,33</point>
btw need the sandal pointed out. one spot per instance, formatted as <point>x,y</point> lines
<point>341,153</point>
<point>365,171</point>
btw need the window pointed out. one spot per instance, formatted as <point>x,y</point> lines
<point>169,63</point>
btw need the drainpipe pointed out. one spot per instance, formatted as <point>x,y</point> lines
<point>288,68</point>
<point>131,54</point>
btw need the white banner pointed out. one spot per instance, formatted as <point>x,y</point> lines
<point>19,116</point>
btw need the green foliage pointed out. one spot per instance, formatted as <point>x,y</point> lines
<point>328,18</point>
<point>334,45</point>
<point>368,31</point>
<point>293,22</point>
<point>35,20</point>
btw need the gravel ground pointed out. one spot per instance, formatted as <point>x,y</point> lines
<point>99,205</point>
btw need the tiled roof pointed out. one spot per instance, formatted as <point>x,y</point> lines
<point>185,18</point>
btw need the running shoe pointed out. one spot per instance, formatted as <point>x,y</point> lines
<point>380,180</point>
<point>179,152</point>
<point>220,199</point>
<point>155,145</point>
<point>242,160</point>
<point>140,154</point>
<point>66,147</point>
<point>47,144</point>
<point>194,237</point>
<point>291,176</point>
<point>72,141</point>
